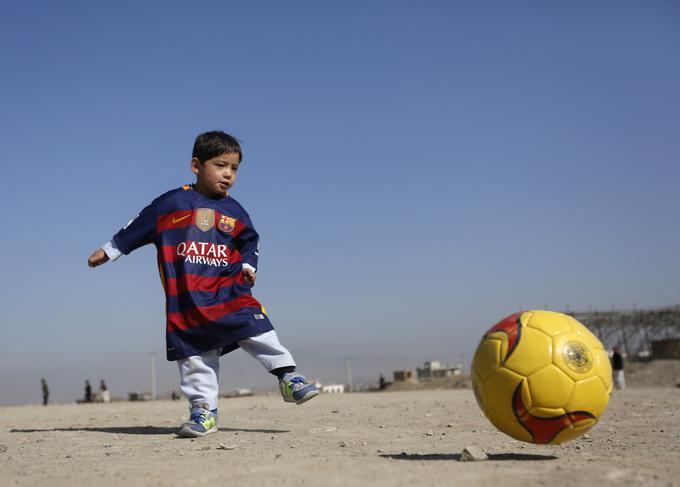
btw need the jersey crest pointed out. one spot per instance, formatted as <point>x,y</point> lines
<point>205,218</point>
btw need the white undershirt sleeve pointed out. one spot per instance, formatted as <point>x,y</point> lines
<point>112,252</point>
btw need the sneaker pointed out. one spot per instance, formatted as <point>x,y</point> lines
<point>201,422</point>
<point>295,388</point>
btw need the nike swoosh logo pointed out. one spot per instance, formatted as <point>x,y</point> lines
<point>177,220</point>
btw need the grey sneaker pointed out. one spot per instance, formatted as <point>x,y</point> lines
<point>295,388</point>
<point>201,422</point>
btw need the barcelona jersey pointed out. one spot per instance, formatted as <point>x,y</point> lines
<point>202,246</point>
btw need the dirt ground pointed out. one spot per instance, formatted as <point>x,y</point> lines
<point>386,439</point>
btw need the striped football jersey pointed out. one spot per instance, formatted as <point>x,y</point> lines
<point>202,246</point>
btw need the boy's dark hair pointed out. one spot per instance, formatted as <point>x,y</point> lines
<point>214,143</point>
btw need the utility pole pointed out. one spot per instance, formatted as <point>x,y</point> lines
<point>348,364</point>
<point>152,359</point>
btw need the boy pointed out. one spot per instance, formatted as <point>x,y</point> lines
<point>207,257</point>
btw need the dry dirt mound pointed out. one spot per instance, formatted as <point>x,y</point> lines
<point>657,373</point>
<point>457,382</point>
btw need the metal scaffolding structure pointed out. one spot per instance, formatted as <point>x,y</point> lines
<point>633,331</point>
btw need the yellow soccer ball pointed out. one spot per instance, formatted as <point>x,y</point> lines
<point>541,377</point>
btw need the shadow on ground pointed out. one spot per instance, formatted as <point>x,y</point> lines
<point>140,430</point>
<point>525,457</point>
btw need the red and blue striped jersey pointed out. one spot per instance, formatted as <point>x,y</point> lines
<point>202,245</point>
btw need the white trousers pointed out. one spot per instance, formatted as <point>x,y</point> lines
<point>619,379</point>
<point>200,373</point>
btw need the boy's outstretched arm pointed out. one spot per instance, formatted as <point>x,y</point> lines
<point>98,257</point>
<point>139,231</point>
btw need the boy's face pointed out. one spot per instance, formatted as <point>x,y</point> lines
<point>215,176</point>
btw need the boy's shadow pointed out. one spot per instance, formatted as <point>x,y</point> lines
<point>456,456</point>
<point>141,430</point>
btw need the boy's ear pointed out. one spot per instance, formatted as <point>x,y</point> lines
<point>195,165</point>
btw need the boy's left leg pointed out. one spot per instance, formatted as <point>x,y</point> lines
<point>278,361</point>
<point>199,383</point>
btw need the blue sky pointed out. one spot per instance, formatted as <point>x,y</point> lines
<point>416,172</point>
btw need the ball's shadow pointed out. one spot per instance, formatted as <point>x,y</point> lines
<point>493,457</point>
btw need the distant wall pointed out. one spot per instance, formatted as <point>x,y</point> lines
<point>666,348</point>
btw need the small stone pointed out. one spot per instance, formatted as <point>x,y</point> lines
<point>222,446</point>
<point>578,447</point>
<point>3,448</point>
<point>450,425</point>
<point>380,451</point>
<point>69,456</point>
<point>363,443</point>
<point>323,429</point>
<point>343,444</point>
<point>586,436</point>
<point>206,447</point>
<point>335,410</point>
<point>430,433</point>
<point>278,455</point>
<point>472,454</point>
<point>292,446</point>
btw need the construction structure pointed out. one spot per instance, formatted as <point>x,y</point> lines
<point>636,332</point>
<point>434,369</point>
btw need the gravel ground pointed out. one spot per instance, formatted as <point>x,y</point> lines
<point>386,439</point>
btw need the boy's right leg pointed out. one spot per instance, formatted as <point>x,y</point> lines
<point>199,383</point>
<point>276,358</point>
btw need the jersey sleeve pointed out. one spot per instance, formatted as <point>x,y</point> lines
<point>141,230</point>
<point>247,242</point>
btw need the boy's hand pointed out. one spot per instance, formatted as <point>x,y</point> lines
<point>98,257</point>
<point>249,276</point>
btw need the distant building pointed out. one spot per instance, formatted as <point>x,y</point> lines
<point>404,376</point>
<point>436,370</point>
<point>333,388</point>
<point>666,349</point>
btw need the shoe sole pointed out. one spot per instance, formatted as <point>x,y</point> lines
<point>189,433</point>
<point>307,397</point>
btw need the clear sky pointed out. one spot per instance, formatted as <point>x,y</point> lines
<point>416,170</point>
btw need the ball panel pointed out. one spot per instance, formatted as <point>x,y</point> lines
<point>533,352</point>
<point>478,389</point>
<point>508,330</point>
<point>580,329</point>
<point>487,356</point>
<point>549,322</point>
<point>509,426</point>
<point>589,395</point>
<point>604,369</point>
<point>550,387</point>
<point>544,413</point>
<point>498,391</point>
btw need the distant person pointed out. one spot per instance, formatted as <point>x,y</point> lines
<point>617,367</point>
<point>45,392</point>
<point>88,392</point>
<point>207,253</point>
<point>104,391</point>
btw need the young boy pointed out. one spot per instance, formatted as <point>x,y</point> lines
<point>207,257</point>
